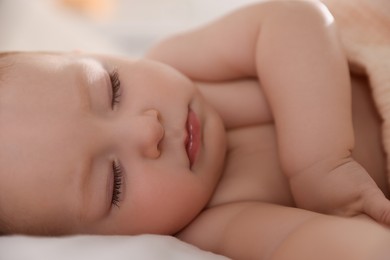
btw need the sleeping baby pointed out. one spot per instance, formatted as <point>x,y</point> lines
<point>239,137</point>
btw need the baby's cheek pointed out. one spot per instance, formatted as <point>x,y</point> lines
<point>176,206</point>
<point>158,206</point>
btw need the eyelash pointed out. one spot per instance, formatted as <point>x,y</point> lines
<point>116,85</point>
<point>116,191</point>
<point>116,168</point>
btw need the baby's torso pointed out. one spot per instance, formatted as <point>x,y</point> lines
<point>253,172</point>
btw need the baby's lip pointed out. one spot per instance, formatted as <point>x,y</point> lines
<point>192,141</point>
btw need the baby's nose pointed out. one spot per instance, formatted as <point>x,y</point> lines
<point>151,132</point>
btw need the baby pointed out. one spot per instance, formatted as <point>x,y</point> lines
<point>218,136</point>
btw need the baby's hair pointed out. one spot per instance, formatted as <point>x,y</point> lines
<point>4,227</point>
<point>4,65</point>
<point>5,54</point>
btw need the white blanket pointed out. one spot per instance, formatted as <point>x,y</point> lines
<point>145,247</point>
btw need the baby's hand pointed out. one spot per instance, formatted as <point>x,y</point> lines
<point>347,190</point>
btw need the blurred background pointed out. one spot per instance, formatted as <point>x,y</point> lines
<point>126,27</point>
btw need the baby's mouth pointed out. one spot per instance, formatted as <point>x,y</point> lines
<point>192,142</point>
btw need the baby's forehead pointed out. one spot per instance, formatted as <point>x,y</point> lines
<point>11,62</point>
<point>18,59</point>
<point>27,69</point>
<point>13,58</point>
<point>13,66</point>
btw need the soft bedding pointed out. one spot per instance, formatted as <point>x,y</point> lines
<point>145,247</point>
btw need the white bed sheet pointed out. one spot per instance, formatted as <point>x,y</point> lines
<point>142,247</point>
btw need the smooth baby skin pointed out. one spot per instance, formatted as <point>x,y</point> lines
<point>247,217</point>
<point>272,74</point>
<point>292,47</point>
<point>303,120</point>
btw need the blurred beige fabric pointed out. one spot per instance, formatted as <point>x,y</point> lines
<point>129,26</point>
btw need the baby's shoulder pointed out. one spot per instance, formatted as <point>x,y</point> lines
<point>234,226</point>
<point>209,227</point>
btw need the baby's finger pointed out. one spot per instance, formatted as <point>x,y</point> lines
<point>377,206</point>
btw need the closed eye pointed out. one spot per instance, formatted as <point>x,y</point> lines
<point>117,183</point>
<point>116,87</point>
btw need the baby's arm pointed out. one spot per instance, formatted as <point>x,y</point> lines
<point>292,46</point>
<point>262,231</point>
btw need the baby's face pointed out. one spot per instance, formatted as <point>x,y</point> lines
<point>104,145</point>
